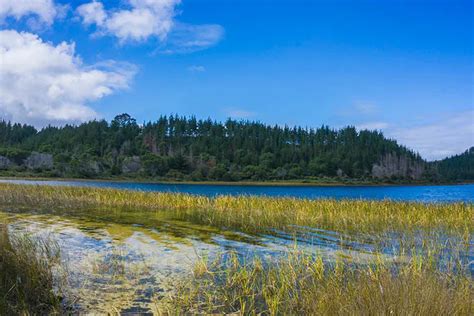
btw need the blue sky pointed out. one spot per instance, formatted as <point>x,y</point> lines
<point>405,67</point>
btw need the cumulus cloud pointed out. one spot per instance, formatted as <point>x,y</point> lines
<point>92,13</point>
<point>43,83</point>
<point>145,19</point>
<point>44,10</point>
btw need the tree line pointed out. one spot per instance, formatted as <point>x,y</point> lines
<point>179,147</point>
<point>457,167</point>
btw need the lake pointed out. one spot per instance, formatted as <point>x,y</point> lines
<point>126,260</point>
<point>123,261</point>
<point>421,193</point>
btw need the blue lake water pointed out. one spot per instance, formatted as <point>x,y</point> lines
<point>421,193</point>
<point>154,251</point>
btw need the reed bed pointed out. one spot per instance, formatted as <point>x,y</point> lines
<point>251,213</point>
<point>420,282</point>
<point>27,281</point>
<point>305,285</point>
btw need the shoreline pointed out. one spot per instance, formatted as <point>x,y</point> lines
<point>296,183</point>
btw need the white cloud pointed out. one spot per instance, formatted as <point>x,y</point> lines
<point>187,38</point>
<point>44,10</point>
<point>92,13</point>
<point>441,136</point>
<point>196,68</point>
<point>438,139</point>
<point>43,83</point>
<point>145,19</point>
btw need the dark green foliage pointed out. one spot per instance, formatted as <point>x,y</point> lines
<point>16,155</point>
<point>154,165</point>
<point>459,167</point>
<point>16,133</point>
<point>177,147</point>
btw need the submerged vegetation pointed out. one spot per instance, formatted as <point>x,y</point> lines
<point>27,282</point>
<point>423,268</point>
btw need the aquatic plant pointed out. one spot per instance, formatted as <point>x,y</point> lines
<point>251,213</point>
<point>429,273</point>
<point>27,281</point>
<point>300,284</point>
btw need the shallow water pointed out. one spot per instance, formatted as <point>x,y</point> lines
<point>421,193</point>
<point>123,267</point>
<point>122,262</point>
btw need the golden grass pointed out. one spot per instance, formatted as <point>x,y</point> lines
<point>250,213</point>
<point>418,284</point>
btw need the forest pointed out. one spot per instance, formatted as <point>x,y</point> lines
<point>457,167</point>
<point>186,148</point>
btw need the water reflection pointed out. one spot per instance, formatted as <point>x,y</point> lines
<point>118,261</point>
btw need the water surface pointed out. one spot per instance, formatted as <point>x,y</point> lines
<point>125,265</point>
<point>125,261</point>
<point>421,193</point>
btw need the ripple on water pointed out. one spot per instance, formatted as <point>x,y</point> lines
<point>113,266</point>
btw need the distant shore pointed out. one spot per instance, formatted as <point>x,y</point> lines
<point>296,183</point>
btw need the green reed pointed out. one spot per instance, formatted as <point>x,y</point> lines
<point>27,281</point>
<point>250,213</point>
<point>417,283</point>
<point>301,284</point>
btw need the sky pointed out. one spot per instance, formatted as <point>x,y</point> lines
<point>404,67</point>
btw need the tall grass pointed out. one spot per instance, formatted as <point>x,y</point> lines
<point>306,285</point>
<point>419,283</point>
<point>250,213</point>
<point>27,283</point>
